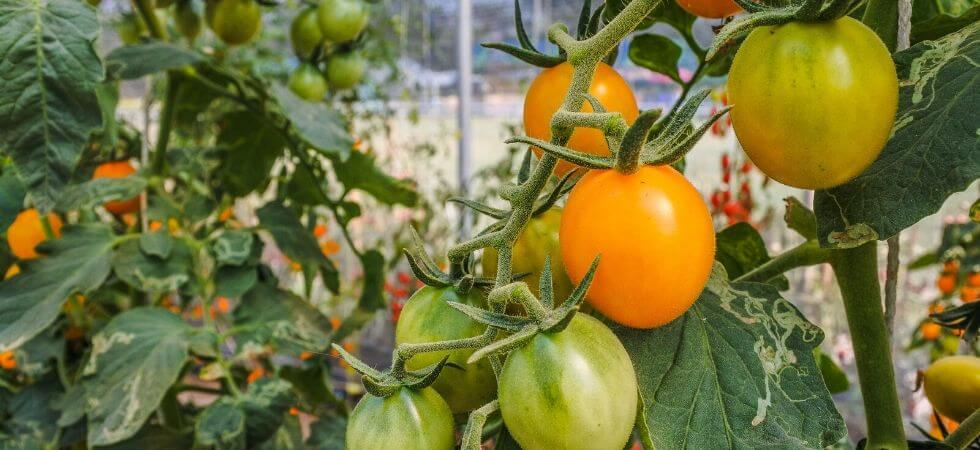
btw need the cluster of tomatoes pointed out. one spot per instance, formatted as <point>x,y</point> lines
<point>949,280</point>
<point>314,34</point>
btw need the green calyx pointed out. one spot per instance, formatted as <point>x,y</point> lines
<point>766,15</point>
<point>426,270</point>
<point>543,316</point>
<point>384,384</point>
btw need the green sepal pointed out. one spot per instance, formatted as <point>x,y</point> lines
<point>559,318</point>
<point>546,284</point>
<point>584,16</point>
<point>493,319</point>
<point>486,210</point>
<point>506,344</point>
<point>563,187</point>
<point>628,156</point>
<point>582,159</point>
<point>965,317</point>
<point>525,171</point>
<point>531,57</point>
<point>422,265</point>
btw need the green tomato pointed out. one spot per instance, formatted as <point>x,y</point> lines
<point>952,385</point>
<point>234,21</point>
<point>345,70</point>
<point>538,240</point>
<point>573,390</point>
<point>305,33</point>
<point>406,420</point>
<point>187,19</point>
<point>427,317</point>
<point>308,83</point>
<point>342,20</point>
<point>130,27</point>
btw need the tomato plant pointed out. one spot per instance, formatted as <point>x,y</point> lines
<point>304,32</point>
<point>409,419</point>
<point>28,230</point>
<point>345,70</point>
<point>537,243</point>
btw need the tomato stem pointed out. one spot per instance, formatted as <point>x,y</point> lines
<point>857,276</point>
<point>966,433</point>
<point>166,122</point>
<point>806,254</point>
<point>146,11</point>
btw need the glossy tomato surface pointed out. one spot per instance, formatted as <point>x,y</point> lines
<point>813,103</point>
<point>118,169</point>
<point>711,9</point>
<point>406,420</point>
<point>342,20</point>
<point>952,385</point>
<point>655,235</point>
<point>234,21</point>
<point>305,33</point>
<point>345,70</point>
<point>545,96</point>
<point>426,317</point>
<point>573,390</point>
<point>308,83</point>
<point>538,240</point>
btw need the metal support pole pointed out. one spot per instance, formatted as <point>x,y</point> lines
<point>464,46</point>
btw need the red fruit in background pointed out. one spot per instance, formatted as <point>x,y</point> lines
<point>404,278</point>
<point>726,162</point>
<point>746,167</point>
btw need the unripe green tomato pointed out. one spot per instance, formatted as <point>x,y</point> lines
<point>305,33</point>
<point>952,385</point>
<point>426,317</point>
<point>539,239</point>
<point>345,70</point>
<point>571,390</point>
<point>187,19</point>
<point>129,28</point>
<point>234,21</point>
<point>406,420</point>
<point>308,83</point>
<point>342,20</point>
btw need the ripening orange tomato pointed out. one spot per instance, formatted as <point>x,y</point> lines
<point>27,231</point>
<point>654,233</point>
<point>118,169</point>
<point>973,279</point>
<point>969,294</point>
<point>711,9</point>
<point>545,96</point>
<point>946,283</point>
<point>930,331</point>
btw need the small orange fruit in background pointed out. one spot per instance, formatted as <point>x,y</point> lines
<point>946,283</point>
<point>27,231</point>
<point>710,9</point>
<point>7,360</point>
<point>969,293</point>
<point>930,331</point>
<point>118,169</point>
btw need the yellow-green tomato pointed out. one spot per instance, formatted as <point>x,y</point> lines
<point>307,82</point>
<point>570,390</point>
<point>345,70</point>
<point>406,420</point>
<point>187,19</point>
<point>952,385</point>
<point>305,33</point>
<point>813,103</point>
<point>426,317</point>
<point>538,240</point>
<point>342,20</point>
<point>130,27</point>
<point>234,21</point>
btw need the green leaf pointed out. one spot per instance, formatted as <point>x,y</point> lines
<point>154,437</point>
<point>372,295</point>
<point>235,281</point>
<point>233,247</point>
<point>940,22</point>
<point>36,357</point>
<point>146,58</point>
<point>151,273</point>
<point>134,361</point>
<point>273,315</point>
<point>157,243</point>
<point>252,146</point>
<point>360,171</point>
<point>221,425</point>
<point>328,433</point>
<point>97,191</point>
<point>833,376</point>
<point>735,371</point>
<point>11,198</point>
<point>740,249</point>
<point>77,262</point>
<point>47,99</point>
<point>288,437</point>
<point>310,382</point>
<point>657,53</point>
<point>302,188</point>
<point>296,241</point>
<point>29,411</point>
<point>319,126</point>
<point>265,403</point>
<point>934,149</point>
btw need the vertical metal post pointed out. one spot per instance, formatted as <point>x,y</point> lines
<point>464,68</point>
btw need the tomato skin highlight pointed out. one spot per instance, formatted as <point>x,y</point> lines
<point>545,96</point>
<point>656,239</point>
<point>710,9</point>
<point>813,103</point>
<point>426,317</point>
<point>345,70</point>
<point>406,420</point>
<point>574,390</point>
<point>26,232</point>
<point>952,385</point>
<point>539,239</point>
<point>342,20</point>
<point>234,21</point>
<point>118,169</point>
<point>308,83</point>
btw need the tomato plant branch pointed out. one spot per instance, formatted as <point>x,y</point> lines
<point>473,434</point>
<point>857,276</point>
<point>891,283</point>
<point>167,114</point>
<point>806,254</point>
<point>966,433</point>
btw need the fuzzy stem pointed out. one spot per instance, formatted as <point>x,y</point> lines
<point>806,254</point>
<point>857,276</point>
<point>966,433</point>
<point>473,434</point>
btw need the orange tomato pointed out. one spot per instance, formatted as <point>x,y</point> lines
<point>711,9</point>
<point>118,169</point>
<point>545,96</point>
<point>654,233</point>
<point>969,294</point>
<point>319,230</point>
<point>946,283</point>
<point>930,331</point>
<point>973,279</point>
<point>950,424</point>
<point>7,360</point>
<point>26,232</point>
<point>952,265</point>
